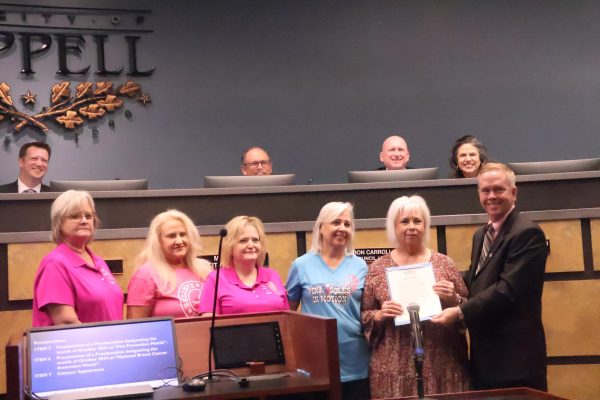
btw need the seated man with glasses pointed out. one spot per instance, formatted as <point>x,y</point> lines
<point>256,161</point>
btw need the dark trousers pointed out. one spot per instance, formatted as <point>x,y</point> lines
<point>539,383</point>
<point>356,390</point>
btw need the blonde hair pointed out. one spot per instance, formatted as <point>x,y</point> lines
<point>67,203</point>
<point>406,204</point>
<point>511,179</point>
<point>328,213</point>
<point>153,255</point>
<point>234,231</point>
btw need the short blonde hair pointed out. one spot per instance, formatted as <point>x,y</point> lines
<point>67,203</point>
<point>406,204</point>
<point>328,213</point>
<point>153,255</point>
<point>511,179</point>
<point>234,231</point>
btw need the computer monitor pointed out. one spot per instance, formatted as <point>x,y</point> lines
<point>418,174</point>
<point>248,181</point>
<point>549,167</point>
<point>68,358</point>
<point>98,186</point>
<point>236,345</point>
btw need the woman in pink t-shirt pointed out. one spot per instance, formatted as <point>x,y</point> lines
<point>72,284</point>
<point>170,277</point>
<point>245,286</point>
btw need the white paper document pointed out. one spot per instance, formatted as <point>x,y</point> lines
<point>413,284</point>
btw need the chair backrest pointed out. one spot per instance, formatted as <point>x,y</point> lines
<point>417,174</point>
<point>549,167</point>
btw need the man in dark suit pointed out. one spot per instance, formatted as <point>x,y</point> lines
<point>504,310</point>
<point>33,165</point>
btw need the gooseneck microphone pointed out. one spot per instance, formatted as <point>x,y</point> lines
<point>415,325</point>
<point>211,347</point>
<point>419,351</point>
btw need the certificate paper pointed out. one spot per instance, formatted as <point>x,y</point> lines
<point>413,284</point>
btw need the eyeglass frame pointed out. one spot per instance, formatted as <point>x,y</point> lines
<point>256,164</point>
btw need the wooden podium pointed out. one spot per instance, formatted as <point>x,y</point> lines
<point>309,342</point>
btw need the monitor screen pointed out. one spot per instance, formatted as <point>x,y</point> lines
<point>236,345</point>
<point>67,358</point>
<point>417,174</point>
<point>248,181</point>
<point>98,186</point>
<point>549,167</point>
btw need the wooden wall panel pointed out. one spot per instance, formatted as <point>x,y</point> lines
<point>566,249</point>
<point>595,228</point>
<point>12,322</point>
<point>574,382</point>
<point>565,244</point>
<point>282,252</point>
<point>210,245</point>
<point>24,259</point>
<point>371,238</point>
<point>459,240</point>
<point>126,250</point>
<point>23,262</point>
<point>570,317</point>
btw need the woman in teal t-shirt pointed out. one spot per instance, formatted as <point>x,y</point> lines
<point>329,281</point>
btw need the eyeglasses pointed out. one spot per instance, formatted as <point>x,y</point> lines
<point>79,216</point>
<point>256,164</point>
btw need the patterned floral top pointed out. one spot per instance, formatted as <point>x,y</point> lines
<point>392,371</point>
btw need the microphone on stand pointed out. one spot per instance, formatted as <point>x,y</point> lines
<point>415,325</point>
<point>211,347</point>
<point>419,351</point>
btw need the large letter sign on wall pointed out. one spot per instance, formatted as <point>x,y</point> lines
<point>44,32</point>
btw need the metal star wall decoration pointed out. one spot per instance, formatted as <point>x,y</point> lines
<point>145,99</point>
<point>28,98</point>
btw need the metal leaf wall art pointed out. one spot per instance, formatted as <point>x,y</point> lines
<point>89,101</point>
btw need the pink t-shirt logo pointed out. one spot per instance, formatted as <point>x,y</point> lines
<point>189,297</point>
<point>272,287</point>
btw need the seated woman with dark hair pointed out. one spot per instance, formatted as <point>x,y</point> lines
<point>245,286</point>
<point>468,155</point>
<point>170,278</point>
<point>72,284</point>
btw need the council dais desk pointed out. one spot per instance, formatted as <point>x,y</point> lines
<point>135,209</point>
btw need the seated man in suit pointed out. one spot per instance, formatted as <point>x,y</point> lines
<point>504,310</point>
<point>394,153</point>
<point>256,161</point>
<point>33,165</point>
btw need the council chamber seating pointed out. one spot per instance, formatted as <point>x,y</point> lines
<point>100,185</point>
<point>416,174</point>
<point>558,166</point>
